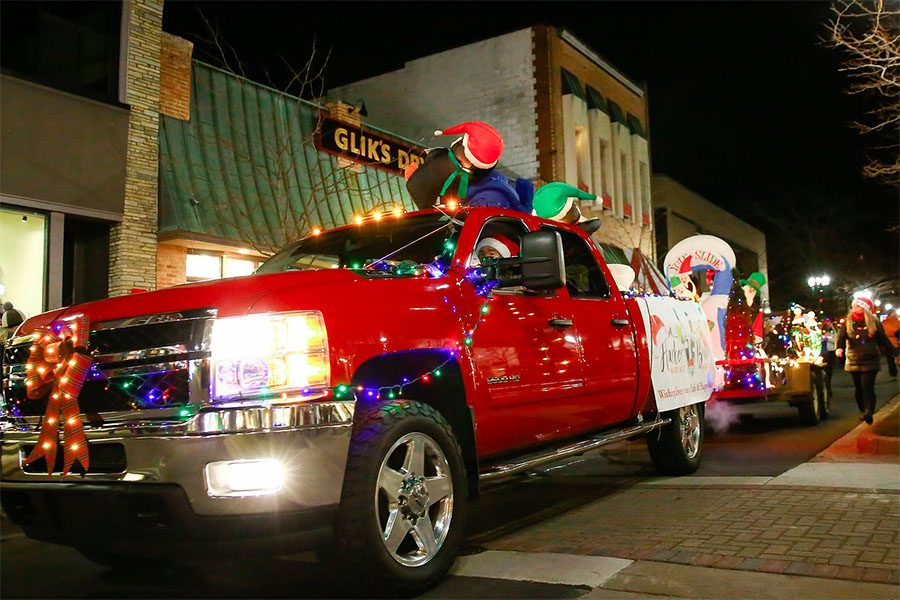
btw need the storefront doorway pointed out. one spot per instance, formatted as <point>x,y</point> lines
<point>23,259</point>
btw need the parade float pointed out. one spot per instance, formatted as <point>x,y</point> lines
<point>778,361</point>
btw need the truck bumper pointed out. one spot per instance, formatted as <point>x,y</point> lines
<point>160,496</point>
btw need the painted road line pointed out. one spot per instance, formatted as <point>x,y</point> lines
<point>542,567</point>
<point>871,476</point>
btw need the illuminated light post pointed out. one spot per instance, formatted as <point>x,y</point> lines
<point>817,284</point>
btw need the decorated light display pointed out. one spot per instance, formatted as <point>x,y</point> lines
<point>806,336</point>
<point>742,362</point>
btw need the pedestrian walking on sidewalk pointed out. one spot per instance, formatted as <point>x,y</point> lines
<point>863,337</point>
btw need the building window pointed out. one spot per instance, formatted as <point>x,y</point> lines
<point>582,158</point>
<point>201,267</point>
<point>571,85</point>
<point>72,46</point>
<point>605,170</point>
<point>576,133</point>
<point>23,259</point>
<point>625,166</point>
<point>238,267</point>
<point>595,101</point>
<point>584,277</point>
<point>645,193</point>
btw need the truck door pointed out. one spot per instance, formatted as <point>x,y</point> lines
<point>605,333</point>
<point>528,359</point>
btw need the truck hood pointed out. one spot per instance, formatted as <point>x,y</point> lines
<point>231,297</point>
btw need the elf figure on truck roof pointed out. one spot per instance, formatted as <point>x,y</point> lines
<point>467,172</point>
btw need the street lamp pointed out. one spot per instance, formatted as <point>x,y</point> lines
<point>817,284</point>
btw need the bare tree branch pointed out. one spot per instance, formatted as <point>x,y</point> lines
<point>868,34</point>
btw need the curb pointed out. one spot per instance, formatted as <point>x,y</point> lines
<point>882,436</point>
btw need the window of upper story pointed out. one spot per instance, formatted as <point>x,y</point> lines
<point>584,277</point>
<point>626,189</point>
<point>571,84</point>
<point>583,158</point>
<point>71,46</point>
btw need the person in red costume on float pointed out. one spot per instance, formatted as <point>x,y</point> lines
<point>862,339</point>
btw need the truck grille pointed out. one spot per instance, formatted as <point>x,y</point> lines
<point>105,458</point>
<point>142,363</point>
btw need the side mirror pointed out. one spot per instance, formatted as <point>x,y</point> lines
<point>541,261</point>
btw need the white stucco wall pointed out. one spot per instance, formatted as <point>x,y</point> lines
<point>491,81</point>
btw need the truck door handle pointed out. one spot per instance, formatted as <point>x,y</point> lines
<point>620,323</point>
<point>560,322</point>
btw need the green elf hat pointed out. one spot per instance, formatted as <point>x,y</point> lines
<point>554,200</point>
<point>756,281</point>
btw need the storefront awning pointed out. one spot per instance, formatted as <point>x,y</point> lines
<point>245,167</point>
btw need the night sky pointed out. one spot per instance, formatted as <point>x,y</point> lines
<point>747,105</point>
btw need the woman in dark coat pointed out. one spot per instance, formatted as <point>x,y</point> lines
<point>864,339</point>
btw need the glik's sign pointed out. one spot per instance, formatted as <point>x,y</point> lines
<point>365,146</point>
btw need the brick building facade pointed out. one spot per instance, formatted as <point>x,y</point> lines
<point>132,242</point>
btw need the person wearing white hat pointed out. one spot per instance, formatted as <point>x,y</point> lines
<point>862,339</point>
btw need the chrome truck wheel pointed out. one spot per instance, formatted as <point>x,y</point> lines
<point>401,517</point>
<point>414,499</point>
<point>676,448</point>
<point>689,418</point>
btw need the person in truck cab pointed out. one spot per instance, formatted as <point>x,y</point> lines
<point>496,245</point>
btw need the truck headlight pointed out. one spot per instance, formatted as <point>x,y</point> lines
<point>268,354</point>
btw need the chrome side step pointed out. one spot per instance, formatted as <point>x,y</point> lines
<point>530,461</point>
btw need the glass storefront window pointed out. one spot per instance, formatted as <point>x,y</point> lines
<point>23,259</point>
<point>238,267</point>
<point>203,266</point>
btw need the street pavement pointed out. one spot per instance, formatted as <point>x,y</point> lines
<point>819,521</point>
<point>828,527</point>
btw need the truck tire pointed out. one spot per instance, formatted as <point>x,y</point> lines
<point>811,408</point>
<point>676,448</point>
<point>401,517</point>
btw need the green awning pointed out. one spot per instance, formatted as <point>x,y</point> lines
<point>634,124</point>
<point>595,100</point>
<point>617,114</point>
<point>571,85</point>
<point>614,254</point>
<point>246,168</point>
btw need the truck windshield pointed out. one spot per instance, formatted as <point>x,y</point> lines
<point>382,246</point>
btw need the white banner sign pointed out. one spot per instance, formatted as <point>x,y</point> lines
<point>681,360</point>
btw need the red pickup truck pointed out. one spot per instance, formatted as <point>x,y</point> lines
<point>353,395</point>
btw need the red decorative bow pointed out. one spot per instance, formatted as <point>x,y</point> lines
<point>58,365</point>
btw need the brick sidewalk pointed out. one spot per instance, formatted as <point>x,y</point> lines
<point>821,532</point>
